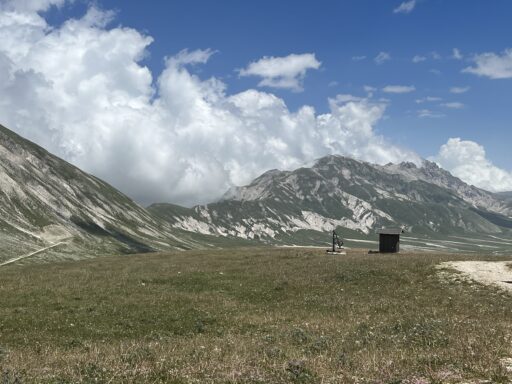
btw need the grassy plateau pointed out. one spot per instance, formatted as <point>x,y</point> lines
<point>252,315</point>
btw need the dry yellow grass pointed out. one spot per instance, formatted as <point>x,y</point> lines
<point>251,316</point>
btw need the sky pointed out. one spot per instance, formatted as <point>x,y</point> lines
<point>177,101</point>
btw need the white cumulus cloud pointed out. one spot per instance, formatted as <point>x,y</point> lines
<point>405,7</point>
<point>468,161</point>
<point>453,105</point>
<point>429,114</point>
<point>492,65</point>
<point>29,5</point>
<point>282,72</point>
<point>457,55</point>
<point>81,91</point>
<point>428,99</point>
<point>435,55</point>
<point>418,59</point>
<point>458,90</point>
<point>382,57</point>
<point>399,88</point>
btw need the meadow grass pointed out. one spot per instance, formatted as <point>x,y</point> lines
<point>266,315</point>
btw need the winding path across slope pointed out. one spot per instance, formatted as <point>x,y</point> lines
<point>32,253</point>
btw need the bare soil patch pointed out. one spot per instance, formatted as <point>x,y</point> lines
<point>496,273</point>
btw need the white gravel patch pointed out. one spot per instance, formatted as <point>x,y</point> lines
<point>497,273</point>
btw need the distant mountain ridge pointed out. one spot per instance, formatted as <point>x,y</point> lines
<point>431,173</point>
<point>339,192</point>
<point>507,196</point>
<point>46,201</point>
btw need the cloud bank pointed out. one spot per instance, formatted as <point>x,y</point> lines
<point>82,92</point>
<point>467,160</point>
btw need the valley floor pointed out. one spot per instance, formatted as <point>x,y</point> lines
<point>255,315</point>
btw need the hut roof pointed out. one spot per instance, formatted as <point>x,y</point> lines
<point>390,231</point>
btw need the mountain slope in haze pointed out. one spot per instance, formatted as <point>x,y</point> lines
<point>505,196</point>
<point>46,201</point>
<point>431,173</point>
<point>338,192</point>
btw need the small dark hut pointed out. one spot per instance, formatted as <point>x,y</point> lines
<point>389,240</point>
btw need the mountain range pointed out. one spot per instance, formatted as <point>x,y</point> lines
<point>48,205</point>
<point>298,207</point>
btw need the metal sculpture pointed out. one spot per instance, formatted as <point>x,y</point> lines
<point>337,245</point>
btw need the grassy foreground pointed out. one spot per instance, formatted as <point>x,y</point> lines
<point>251,316</point>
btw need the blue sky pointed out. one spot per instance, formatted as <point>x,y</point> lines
<point>175,72</point>
<point>336,31</point>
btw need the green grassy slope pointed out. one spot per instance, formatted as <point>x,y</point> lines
<point>251,316</point>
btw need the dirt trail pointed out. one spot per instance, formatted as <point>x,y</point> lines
<point>498,273</point>
<point>32,253</point>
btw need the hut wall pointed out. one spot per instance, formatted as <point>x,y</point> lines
<point>389,243</point>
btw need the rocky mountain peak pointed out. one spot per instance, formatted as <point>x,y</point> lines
<point>336,191</point>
